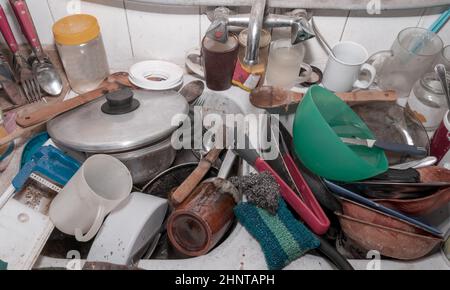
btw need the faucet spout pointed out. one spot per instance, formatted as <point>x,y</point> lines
<point>254,32</point>
<point>256,20</point>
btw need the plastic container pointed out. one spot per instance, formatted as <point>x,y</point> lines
<point>82,52</point>
<point>321,119</point>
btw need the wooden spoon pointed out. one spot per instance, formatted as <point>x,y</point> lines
<point>268,97</point>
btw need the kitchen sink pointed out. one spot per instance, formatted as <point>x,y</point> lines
<point>239,250</point>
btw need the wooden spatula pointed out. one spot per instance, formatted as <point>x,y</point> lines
<point>113,83</point>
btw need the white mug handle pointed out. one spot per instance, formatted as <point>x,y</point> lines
<point>306,75</point>
<point>101,213</point>
<point>365,84</point>
<point>195,67</point>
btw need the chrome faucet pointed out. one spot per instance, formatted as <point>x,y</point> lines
<point>256,20</point>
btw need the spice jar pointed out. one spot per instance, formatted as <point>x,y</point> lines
<point>428,102</point>
<point>82,52</point>
<point>250,77</point>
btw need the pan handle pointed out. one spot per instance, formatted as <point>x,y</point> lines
<point>333,255</point>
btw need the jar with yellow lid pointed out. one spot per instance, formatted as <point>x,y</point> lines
<point>82,52</point>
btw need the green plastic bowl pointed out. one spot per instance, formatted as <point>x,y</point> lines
<point>320,121</point>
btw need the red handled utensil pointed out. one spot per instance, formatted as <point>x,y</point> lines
<point>306,205</point>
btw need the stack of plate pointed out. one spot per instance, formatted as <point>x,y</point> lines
<point>156,75</point>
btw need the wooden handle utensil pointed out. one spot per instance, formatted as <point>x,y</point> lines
<point>190,183</point>
<point>268,97</point>
<point>111,84</point>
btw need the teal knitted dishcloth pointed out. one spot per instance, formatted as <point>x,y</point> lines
<point>3,265</point>
<point>283,239</point>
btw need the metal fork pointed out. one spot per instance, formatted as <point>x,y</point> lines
<point>200,100</point>
<point>28,81</point>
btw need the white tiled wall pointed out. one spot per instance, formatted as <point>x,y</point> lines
<point>135,30</point>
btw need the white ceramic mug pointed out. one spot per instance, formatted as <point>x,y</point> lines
<point>98,187</point>
<point>344,68</point>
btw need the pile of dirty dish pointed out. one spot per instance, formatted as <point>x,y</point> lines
<point>382,202</point>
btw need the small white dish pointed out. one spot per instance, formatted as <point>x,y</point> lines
<point>170,74</point>
<point>145,86</point>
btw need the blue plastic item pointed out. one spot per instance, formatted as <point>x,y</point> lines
<point>340,191</point>
<point>8,151</point>
<point>49,162</point>
<point>33,146</point>
<point>440,22</point>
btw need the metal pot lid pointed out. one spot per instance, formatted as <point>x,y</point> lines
<point>90,129</point>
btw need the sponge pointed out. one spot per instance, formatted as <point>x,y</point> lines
<point>283,239</point>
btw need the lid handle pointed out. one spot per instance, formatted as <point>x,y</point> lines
<point>120,102</point>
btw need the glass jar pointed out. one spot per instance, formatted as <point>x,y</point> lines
<point>82,52</point>
<point>428,102</point>
<point>444,57</point>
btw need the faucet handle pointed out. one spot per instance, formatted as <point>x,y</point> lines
<point>301,31</point>
<point>218,30</point>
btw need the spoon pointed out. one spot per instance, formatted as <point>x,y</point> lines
<point>192,90</point>
<point>48,78</point>
<point>442,75</point>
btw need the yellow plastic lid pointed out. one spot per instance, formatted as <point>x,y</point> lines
<point>76,29</point>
